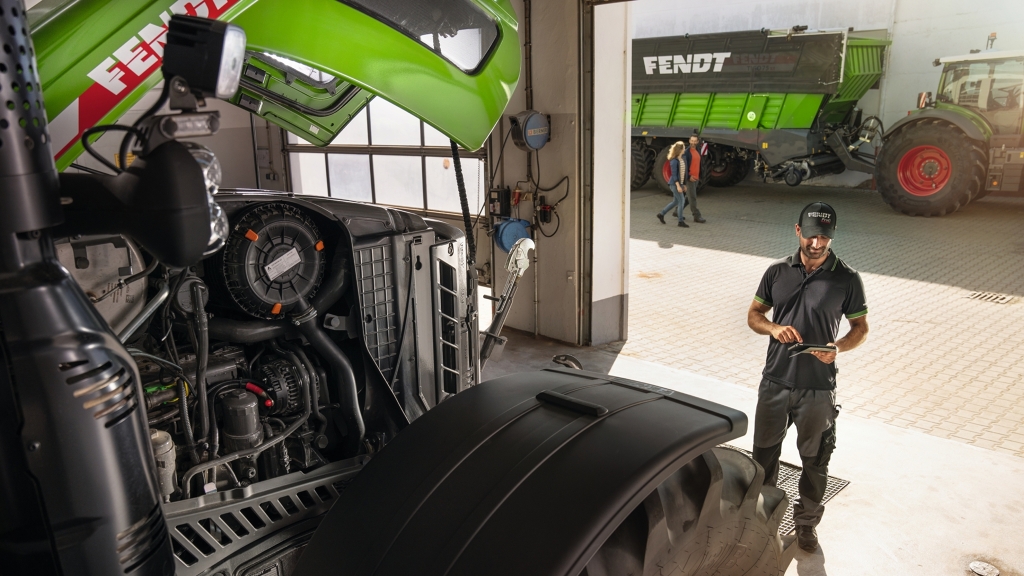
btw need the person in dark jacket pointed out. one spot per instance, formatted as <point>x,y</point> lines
<point>675,184</point>
<point>689,169</point>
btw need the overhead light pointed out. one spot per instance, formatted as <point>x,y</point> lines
<point>206,54</point>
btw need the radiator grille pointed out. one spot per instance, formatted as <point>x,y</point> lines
<point>449,299</point>
<point>377,300</point>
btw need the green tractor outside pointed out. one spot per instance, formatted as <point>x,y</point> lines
<point>961,146</point>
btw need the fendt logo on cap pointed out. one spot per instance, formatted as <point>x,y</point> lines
<point>690,63</point>
<point>824,216</point>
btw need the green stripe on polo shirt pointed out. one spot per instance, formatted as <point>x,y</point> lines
<point>857,314</point>
<point>762,301</point>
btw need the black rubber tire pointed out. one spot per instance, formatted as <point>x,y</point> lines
<point>641,164</point>
<point>736,169</point>
<point>712,516</point>
<point>657,170</point>
<point>967,163</point>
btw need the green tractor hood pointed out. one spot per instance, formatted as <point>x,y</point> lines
<point>452,63</point>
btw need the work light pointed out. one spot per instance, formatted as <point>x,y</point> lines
<point>207,54</point>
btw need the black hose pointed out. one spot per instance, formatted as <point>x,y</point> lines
<point>341,371</point>
<point>186,424</point>
<point>202,340</point>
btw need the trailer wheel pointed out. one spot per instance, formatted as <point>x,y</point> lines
<point>728,171</point>
<point>930,168</point>
<point>712,516</point>
<point>662,170</point>
<point>641,163</point>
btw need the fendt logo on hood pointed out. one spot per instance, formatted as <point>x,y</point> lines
<point>688,64</point>
<point>117,75</point>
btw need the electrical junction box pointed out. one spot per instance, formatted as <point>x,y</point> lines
<point>499,202</point>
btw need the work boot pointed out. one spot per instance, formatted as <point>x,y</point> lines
<point>683,224</point>
<point>699,220</point>
<point>661,217</point>
<point>807,537</point>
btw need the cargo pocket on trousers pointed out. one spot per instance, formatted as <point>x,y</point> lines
<point>828,443</point>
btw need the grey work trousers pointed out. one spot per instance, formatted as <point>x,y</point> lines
<point>814,413</point>
<point>691,198</point>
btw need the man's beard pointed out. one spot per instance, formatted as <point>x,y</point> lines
<point>813,254</point>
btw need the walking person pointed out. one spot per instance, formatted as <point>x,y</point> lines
<point>809,292</point>
<point>674,184</point>
<point>690,164</point>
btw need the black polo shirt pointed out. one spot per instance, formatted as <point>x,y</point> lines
<point>813,304</point>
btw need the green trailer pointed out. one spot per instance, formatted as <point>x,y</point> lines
<point>782,101</point>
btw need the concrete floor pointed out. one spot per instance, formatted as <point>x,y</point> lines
<point>917,505</point>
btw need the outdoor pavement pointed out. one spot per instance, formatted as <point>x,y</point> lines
<point>935,361</point>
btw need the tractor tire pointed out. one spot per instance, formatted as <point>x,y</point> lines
<point>641,164</point>
<point>661,170</point>
<point>930,168</point>
<point>731,173</point>
<point>712,516</point>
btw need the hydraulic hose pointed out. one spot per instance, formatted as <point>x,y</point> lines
<point>341,371</point>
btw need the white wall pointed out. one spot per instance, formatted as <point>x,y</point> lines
<point>612,89</point>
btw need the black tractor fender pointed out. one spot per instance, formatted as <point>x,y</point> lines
<point>525,474</point>
<point>967,125</point>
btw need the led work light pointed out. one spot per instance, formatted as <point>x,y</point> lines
<point>207,54</point>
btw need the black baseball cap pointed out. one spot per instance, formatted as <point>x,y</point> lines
<point>818,219</point>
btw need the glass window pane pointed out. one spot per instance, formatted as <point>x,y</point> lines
<point>458,30</point>
<point>293,139</point>
<point>433,137</point>
<point>350,176</point>
<point>355,132</point>
<point>393,126</point>
<point>309,174</point>
<point>398,180</point>
<point>442,190</point>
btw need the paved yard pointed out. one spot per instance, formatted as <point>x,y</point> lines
<point>935,361</point>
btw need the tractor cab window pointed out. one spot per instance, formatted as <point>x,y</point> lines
<point>992,88</point>
<point>457,30</point>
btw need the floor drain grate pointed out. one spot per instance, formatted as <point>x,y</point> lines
<point>789,481</point>
<point>992,297</point>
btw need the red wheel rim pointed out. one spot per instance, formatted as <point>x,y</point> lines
<point>924,170</point>
<point>666,170</point>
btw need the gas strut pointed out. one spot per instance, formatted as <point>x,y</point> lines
<point>516,264</point>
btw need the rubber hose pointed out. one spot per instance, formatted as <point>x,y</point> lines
<point>202,336</point>
<point>344,376</point>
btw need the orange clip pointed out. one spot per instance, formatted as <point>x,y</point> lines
<point>276,309</point>
<point>252,236</point>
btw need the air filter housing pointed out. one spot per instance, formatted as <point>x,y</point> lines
<point>273,257</point>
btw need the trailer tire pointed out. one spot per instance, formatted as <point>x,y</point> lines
<point>930,168</point>
<point>641,164</point>
<point>731,173</point>
<point>712,516</point>
<point>660,168</point>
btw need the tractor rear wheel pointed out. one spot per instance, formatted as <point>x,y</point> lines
<point>641,164</point>
<point>930,168</point>
<point>712,516</point>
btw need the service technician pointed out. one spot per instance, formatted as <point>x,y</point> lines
<point>809,292</point>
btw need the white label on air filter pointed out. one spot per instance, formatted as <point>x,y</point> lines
<point>284,263</point>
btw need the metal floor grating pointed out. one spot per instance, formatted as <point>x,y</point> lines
<point>789,481</point>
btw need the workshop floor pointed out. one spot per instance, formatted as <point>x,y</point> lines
<point>932,438</point>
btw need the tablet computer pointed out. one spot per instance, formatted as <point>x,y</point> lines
<point>802,348</point>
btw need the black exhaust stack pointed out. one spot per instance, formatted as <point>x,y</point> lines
<point>77,490</point>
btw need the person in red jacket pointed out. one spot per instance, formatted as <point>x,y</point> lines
<point>689,168</point>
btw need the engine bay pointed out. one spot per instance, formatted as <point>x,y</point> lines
<point>311,337</point>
